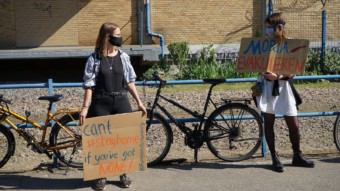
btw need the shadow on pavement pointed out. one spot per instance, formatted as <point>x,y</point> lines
<point>331,160</point>
<point>182,165</point>
<point>15,182</point>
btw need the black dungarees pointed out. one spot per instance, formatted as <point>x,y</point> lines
<point>110,94</point>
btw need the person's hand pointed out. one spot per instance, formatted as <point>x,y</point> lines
<point>270,76</point>
<point>142,108</point>
<point>83,114</point>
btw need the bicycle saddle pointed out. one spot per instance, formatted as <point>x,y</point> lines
<point>53,98</point>
<point>214,81</point>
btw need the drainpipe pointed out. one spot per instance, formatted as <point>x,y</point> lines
<point>270,7</point>
<point>323,36</point>
<point>140,18</point>
<point>148,28</point>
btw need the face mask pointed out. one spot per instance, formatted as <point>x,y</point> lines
<point>116,41</point>
<point>269,31</point>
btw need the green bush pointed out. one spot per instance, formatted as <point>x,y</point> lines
<point>331,65</point>
<point>204,66</point>
<point>180,67</point>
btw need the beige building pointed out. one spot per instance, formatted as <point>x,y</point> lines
<point>55,23</point>
<point>75,23</point>
<point>35,29</point>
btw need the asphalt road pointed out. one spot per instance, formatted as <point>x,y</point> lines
<point>207,175</point>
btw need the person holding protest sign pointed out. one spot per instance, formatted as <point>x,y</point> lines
<point>108,77</point>
<point>278,96</point>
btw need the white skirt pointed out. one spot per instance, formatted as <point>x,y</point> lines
<point>283,104</point>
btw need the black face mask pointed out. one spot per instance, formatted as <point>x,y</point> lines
<point>116,41</point>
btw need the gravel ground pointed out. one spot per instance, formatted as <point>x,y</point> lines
<point>316,132</point>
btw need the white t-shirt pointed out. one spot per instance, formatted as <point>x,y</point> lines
<point>283,104</point>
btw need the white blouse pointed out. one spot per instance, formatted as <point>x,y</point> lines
<point>91,72</point>
<point>283,104</point>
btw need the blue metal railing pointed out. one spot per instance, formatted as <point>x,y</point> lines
<point>51,85</point>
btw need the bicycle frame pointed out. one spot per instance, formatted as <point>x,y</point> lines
<point>201,117</point>
<point>51,117</point>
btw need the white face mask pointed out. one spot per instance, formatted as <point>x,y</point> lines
<point>269,31</point>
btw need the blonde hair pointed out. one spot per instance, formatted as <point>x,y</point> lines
<point>103,36</point>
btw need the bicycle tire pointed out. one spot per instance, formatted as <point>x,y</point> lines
<point>336,132</point>
<point>71,155</point>
<point>7,143</point>
<point>159,139</point>
<point>236,136</point>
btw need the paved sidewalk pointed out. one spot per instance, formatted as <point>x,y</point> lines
<point>204,176</point>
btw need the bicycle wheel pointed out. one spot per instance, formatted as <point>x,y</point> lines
<point>337,132</point>
<point>7,145</point>
<point>233,132</point>
<point>68,140</point>
<point>159,139</point>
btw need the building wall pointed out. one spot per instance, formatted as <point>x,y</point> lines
<point>208,21</point>
<point>51,23</point>
<point>92,13</point>
<point>58,23</point>
<point>304,18</point>
<point>7,24</point>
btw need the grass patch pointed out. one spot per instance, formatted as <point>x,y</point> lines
<point>320,84</point>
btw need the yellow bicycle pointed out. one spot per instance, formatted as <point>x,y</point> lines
<point>64,136</point>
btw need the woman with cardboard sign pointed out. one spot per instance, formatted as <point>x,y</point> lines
<point>108,77</point>
<point>275,94</point>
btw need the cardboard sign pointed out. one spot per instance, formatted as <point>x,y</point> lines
<point>113,145</point>
<point>265,55</point>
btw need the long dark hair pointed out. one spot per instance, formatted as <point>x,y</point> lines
<point>277,21</point>
<point>103,35</point>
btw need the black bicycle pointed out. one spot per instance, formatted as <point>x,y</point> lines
<point>232,132</point>
<point>336,132</point>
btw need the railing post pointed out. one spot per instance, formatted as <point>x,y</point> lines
<point>50,86</point>
<point>323,40</point>
<point>50,93</point>
<point>264,142</point>
<point>270,7</point>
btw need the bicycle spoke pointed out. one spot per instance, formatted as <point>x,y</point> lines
<point>159,137</point>
<point>245,139</point>
<point>67,140</point>
<point>234,132</point>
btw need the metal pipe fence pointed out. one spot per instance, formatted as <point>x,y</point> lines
<point>51,85</point>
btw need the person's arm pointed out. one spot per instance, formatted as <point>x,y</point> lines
<point>86,104</point>
<point>286,76</point>
<point>133,91</point>
<point>270,76</point>
<point>89,82</point>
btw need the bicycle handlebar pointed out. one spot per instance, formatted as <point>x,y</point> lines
<point>156,77</point>
<point>2,99</point>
